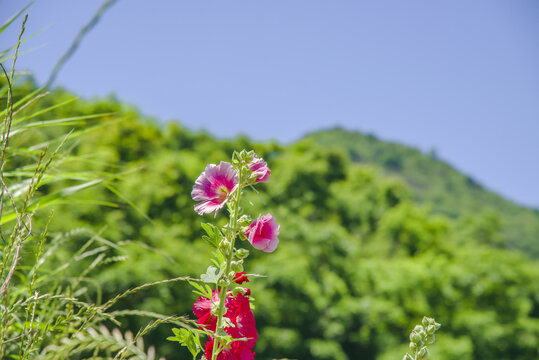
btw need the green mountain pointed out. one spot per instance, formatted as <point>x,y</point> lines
<point>436,183</point>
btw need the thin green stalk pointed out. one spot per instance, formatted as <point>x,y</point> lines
<point>233,223</point>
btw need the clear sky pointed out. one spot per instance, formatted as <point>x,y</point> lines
<point>461,77</point>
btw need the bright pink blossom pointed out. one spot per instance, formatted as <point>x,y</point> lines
<point>240,278</point>
<point>260,168</point>
<point>262,233</point>
<point>240,315</point>
<point>214,186</point>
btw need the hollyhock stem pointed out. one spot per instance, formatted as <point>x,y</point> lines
<point>233,223</point>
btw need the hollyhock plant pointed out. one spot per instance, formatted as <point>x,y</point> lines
<point>259,167</point>
<point>223,309</point>
<point>263,232</point>
<point>214,187</point>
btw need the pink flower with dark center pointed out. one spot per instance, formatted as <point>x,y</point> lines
<point>262,233</point>
<point>241,316</point>
<point>260,168</point>
<point>214,186</point>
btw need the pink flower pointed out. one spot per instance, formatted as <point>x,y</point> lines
<point>262,233</point>
<point>213,187</point>
<point>260,168</point>
<point>240,315</point>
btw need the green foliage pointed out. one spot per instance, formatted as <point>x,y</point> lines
<point>362,254</point>
<point>187,338</point>
<point>436,183</point>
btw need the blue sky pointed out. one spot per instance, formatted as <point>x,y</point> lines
<point>461,77</point>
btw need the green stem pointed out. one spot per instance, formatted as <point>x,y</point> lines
<point>233,223</point>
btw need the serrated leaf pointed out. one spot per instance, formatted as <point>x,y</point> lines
<point>214,235</point>
<point>220,257</point>
<point>215,262</point>
<point>208,228</point>
<point>209,241</point>
<point>188,339</point>
<point>203,291</point>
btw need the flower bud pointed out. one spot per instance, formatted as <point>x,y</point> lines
<point>224,244</point>
<point>423,353</point>
<point>236,266</point>
<point>413,346</point>
<point>415,337</point>
<point>246,155</point>
<point>241,290</point>
<point>236,291</point>
<point>431,329</point>
<point>223,282</point>
<point>245,220</point>
<point>260,170</point>
<point>242,253</point>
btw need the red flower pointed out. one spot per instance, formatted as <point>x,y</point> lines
<point>240,315</point>
<point>203,311</point>
<point>240,278</point>
<point>237,351</point>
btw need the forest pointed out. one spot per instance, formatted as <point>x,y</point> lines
<point>373,236</point>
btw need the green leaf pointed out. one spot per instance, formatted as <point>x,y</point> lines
<point>59,122</point>
<point>220,257</point>
<point>208,228</point>
<point>214,235</point>
<point>211,276</point>
<point>215,262</point>
<point>204,291</point>
<point>187,338</point>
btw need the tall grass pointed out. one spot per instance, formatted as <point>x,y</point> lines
<point>50,306</point>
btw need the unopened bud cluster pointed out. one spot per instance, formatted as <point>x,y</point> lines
<point>421,336</point>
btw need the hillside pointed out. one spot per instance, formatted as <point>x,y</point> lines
<point>437,184</point>
<point>359,262</point>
